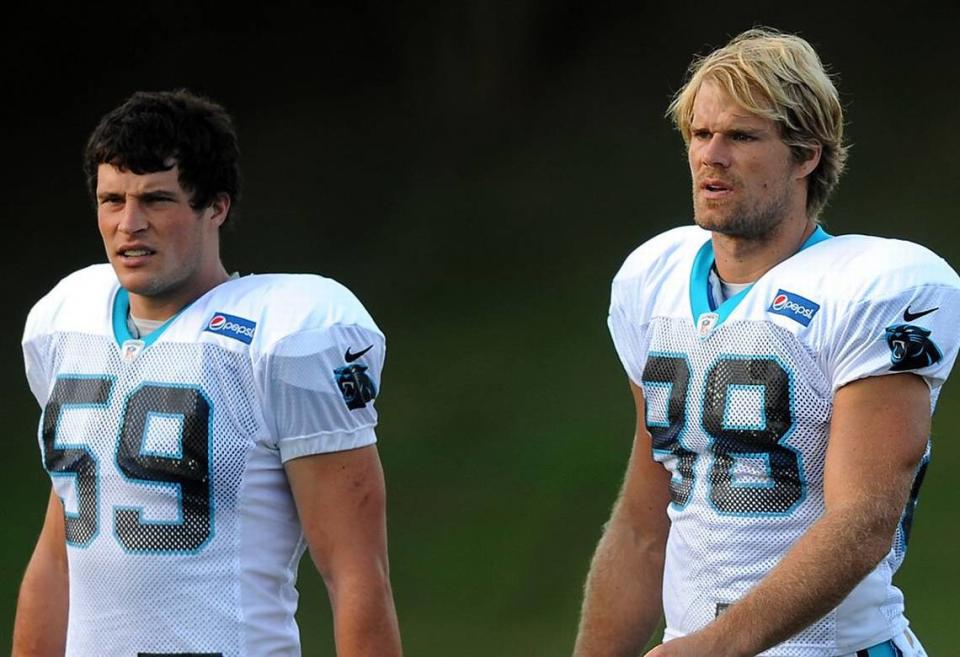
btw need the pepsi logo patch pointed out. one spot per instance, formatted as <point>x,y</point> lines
<point>797,308</point>
<point>231,326</point>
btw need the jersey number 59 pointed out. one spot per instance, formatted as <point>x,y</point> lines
<point>186,472</point>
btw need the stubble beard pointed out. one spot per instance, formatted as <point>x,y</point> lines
<point>157,285</point>
<point>755,221</point>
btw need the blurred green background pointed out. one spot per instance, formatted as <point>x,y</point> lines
<point>475,172</point>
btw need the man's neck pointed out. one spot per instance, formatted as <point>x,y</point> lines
<point>141,328</point>
<point>742,260</point>
<point>166,306</point>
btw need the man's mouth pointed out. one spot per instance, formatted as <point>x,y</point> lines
<point>134,256</point>
<point>715,186</point>
<point>715,190</point>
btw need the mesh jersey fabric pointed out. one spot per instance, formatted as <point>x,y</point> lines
<point>739,398</point>
<point>182,534</point>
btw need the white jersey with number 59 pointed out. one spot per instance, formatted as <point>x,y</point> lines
<point>739,397</point>
<point>182,536</point>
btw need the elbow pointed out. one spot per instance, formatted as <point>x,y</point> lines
<point>646,532</point>
<point>874,542</point>
<point>361,594</point>
<point>368,577</point>
<point>641,543</point>
<point>877,546</point>
<point>863,528</point>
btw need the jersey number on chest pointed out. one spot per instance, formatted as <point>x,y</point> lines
<point>187,471</point>
<point>782,487</point>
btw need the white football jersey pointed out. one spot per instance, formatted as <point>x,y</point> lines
<point>168,452</point>
<point>739,397</point>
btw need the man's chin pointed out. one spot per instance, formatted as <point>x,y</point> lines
<point>733,226</point>
<point>128,278</point>
<point>716,223</point>
<point>138,282</point>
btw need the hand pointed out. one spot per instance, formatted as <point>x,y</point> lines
<point>682,647</point>
<point>697,644</point>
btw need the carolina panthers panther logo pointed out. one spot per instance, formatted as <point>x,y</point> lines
<point>911,347</point>
<point>356,387</point>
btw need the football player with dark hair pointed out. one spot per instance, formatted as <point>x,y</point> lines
<point>201,429</point>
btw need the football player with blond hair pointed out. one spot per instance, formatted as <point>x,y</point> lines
<point>784,381</point>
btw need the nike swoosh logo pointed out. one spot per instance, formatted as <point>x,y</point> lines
<point>909,316</point>
<point>352,357</point>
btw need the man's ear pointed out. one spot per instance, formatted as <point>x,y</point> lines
<point>220,208</point>
<point>807,166</point>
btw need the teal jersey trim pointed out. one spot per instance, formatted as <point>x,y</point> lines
<point>121,331</point>
<point>701,301</point>
<point>885,649</point>
<point>700,297</point>
<point>819,235</point>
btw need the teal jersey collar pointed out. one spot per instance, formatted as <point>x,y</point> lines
<point>701,299</point>
<point>121,330</point>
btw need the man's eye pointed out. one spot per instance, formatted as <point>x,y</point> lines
<point>701,134</point>
<point>742,136</point>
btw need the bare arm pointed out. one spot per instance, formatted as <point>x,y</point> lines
<point>40,627</point>
<point>341,502</point>
<point>878,435</point>
<point>622,601</point>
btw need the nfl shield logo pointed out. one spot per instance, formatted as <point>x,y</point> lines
<point>706,324</point>
<point>130,350</point>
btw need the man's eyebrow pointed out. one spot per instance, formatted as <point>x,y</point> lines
<point>150,195</point>
<point>735,128</point>
<point>155,194</point>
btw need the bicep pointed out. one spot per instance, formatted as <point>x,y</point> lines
<point>878,434</point>
<point>340,499</point>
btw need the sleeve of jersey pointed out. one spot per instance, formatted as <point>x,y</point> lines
<point>321,385</point>
<point>915,330</point>
<point>627,332</point>
<point>35,346</point>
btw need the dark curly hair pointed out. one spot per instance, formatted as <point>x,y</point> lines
<point>151,128</point>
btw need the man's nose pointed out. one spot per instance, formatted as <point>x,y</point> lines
<point>132,219</point>
<point>715,152</point>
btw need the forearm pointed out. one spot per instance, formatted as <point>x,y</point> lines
<point>40,626</point>
<point>821,569</point>
<point>622,601</point>
<point>365,621</point>
<point>865,491</point>
<point>341,502</point>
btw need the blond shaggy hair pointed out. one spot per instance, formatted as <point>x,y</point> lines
<point>779,77</point>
